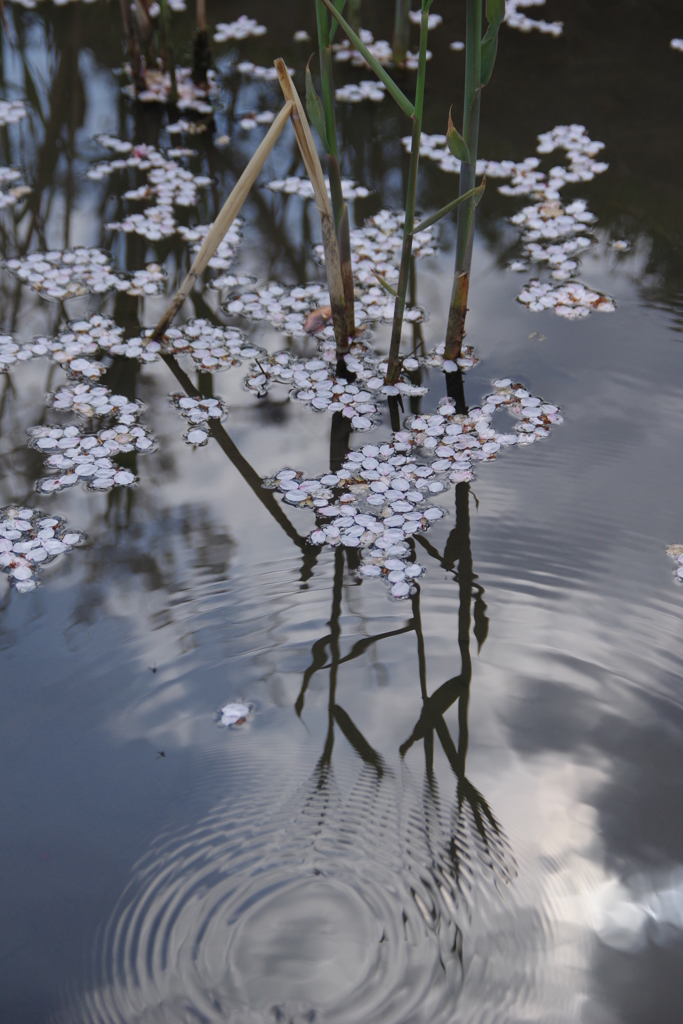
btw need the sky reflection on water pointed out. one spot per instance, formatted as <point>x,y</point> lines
<point>138,885</point>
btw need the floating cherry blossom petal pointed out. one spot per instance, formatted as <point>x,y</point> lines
<point>235,714</point>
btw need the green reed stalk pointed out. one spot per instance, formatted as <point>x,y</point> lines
<point>401,37</point>
<point>329,140</point>
<point>414,111</point>
<point>480,55</point>
<point>393,368</point>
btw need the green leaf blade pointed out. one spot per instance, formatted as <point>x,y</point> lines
<point>314,108</point>
<point>402,100</point>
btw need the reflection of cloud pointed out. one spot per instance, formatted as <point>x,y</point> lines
<point>646,907</point>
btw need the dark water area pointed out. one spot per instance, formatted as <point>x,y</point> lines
<point>461,806</point>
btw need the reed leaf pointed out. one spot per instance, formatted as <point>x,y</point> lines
<point>314,108</point>
<point>456,143</point>
<point>402,100</point>
<point>495,13</point>
<point>385,284</point>
<point>477,193</point>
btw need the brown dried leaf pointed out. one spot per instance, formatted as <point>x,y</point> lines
<point>317,319</point>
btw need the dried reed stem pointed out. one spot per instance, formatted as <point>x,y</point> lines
<point>231,208</point>
<point>314,170</point>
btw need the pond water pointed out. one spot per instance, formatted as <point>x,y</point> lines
<point>452,795</point>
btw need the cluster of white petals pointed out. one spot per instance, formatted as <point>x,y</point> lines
<point>12,111</point>
<point>240,29</point>
<point>367,89</point>
<point>258,71</point>
<point>571,301</point>
<point>315,382</point>
<point>381,494</point>
<point>190,96</point>
<point>248,122</point>
<point>224,255</point>
<point>30,540</point>
<point>70,348</point>
<point>380,49</point>
<point>433,20</point>
<point>198,412</point>
<point>62,274</point>
<point>376,251</point>
<point>294,185</point>
<point>9,196</point>
<point>212,348</point>
<point>515,19</point>
<point>76,457</point>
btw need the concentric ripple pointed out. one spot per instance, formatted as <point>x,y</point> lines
<point>339,902</point>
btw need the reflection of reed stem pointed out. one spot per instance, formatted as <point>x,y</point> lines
<point>401,37</point>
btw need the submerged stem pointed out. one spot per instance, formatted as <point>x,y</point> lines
<point>167,46</point>
<point>133,47</point>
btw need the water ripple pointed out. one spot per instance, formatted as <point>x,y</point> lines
<point>343,898</point>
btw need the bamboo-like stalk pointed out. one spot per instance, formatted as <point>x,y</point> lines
<point>231,208</point>
<point>455,330</point>
<point>401,37</point>
<point>314,170</point>
<point>347,269</point>
<point>393,367</point>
